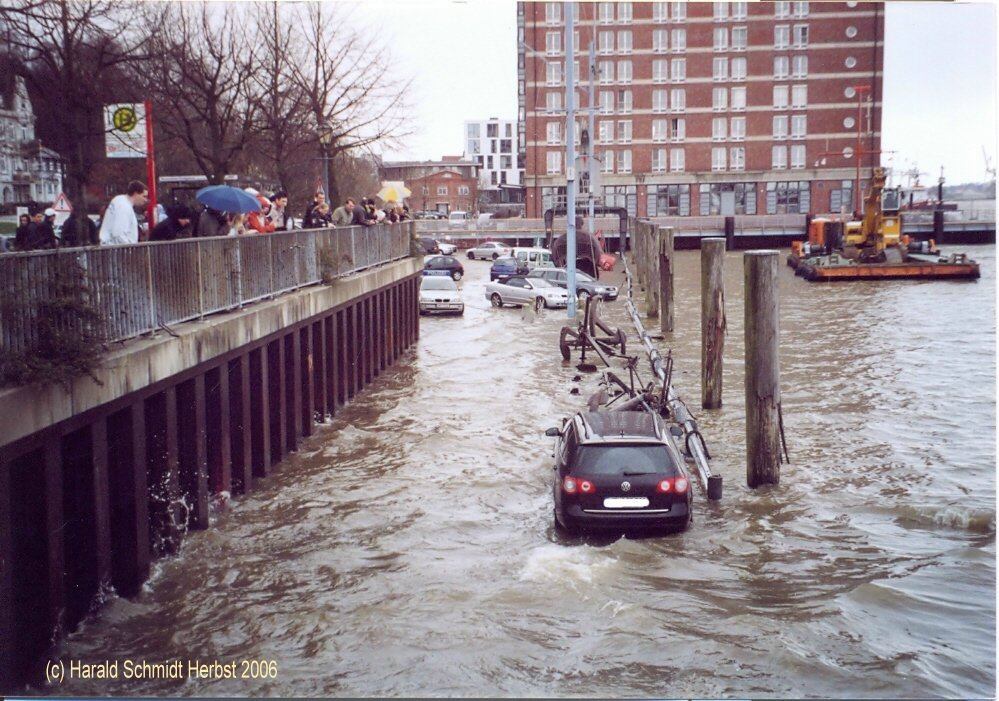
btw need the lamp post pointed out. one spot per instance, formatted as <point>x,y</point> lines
<point>325,139</point>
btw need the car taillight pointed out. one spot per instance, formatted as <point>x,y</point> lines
<point>677,484</point>
<point>574,485</point>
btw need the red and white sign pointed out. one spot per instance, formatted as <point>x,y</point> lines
<point>62,205</point>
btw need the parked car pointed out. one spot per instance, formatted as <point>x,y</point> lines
<point>585,285</point>
<point>619,471</point>
<point>522,290</point>
<point>429,245</point>
<point>440,295</point>
<point>457,216</point>
<point>443,265</point>
<point>534,257</point>
<point>489,249</point>
<point>429,214</point>
<point>506,266</point>
<point>446,248</point>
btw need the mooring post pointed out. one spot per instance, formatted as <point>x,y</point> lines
<point>653,287</point>
<point>938,226</point>
<point>666,304</point>
<point>762,368</point>
<point>712,320</point>
<point>730,233</point>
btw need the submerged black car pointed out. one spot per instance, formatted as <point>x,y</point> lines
<point>619,471</point>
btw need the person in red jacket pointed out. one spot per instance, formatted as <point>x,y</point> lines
<point>258,221</point>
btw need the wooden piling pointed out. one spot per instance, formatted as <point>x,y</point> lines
<point>762,368</point>
<point>713,323</point>
<point>260,411</point>
<point>307,385</point>
<point>164,481</point>
<point>218,426</point>
<point>279,401</point>
<point>192,452</point>
<point>652,288</point>
<point>240,432</point>
<point>293,389</point>
<point>666,302</point>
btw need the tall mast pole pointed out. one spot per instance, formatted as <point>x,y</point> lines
<point>570,161</point>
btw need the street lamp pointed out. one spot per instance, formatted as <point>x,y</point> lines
<point>325,139</point>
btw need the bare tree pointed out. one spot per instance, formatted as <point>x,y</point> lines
<point>206,96</point>
<point>75,55</point>
<point>341,76</point>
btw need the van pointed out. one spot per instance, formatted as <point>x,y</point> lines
<point>534,257</point>
<point>457,216</point>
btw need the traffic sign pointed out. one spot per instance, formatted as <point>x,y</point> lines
<point>62,205</point>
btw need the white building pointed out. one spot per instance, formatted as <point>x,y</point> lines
<point>28,170</point>
<point>493,144</point>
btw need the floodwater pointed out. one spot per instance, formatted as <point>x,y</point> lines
<point>408,548</point>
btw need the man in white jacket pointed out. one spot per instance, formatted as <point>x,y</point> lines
<point>119,224</point>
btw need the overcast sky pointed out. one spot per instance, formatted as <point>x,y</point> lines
<point>939,85</point>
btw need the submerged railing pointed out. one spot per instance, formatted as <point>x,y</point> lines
<point>141,287</point>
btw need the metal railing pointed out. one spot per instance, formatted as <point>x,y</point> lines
<point>141,287</point>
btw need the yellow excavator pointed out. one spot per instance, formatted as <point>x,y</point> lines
<point>881,226</point>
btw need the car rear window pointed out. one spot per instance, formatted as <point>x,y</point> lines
<point>618,459</point>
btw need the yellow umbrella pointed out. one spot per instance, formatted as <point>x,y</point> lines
<point>393,191</point>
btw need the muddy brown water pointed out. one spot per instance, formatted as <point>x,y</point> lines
<point>408,550</point>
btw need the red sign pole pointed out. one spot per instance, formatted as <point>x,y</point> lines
<point>150,169</point>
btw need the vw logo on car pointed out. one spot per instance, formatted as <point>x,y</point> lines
<point>625,486</point>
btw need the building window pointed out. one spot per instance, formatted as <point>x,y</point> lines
<point>679,11</point>
<point>678,38</point>
<point>849,122</point>
<point>442,190</point>
<point>474,131</point>
<point>737,158</point>
<point>677,160</point>
<point>797,157</point>
<point>780,97</point>
<point>605,12</point>
<point>720,42</point>
<point>799,126</point>
<point>506,163</point>
<point>780,67</point>
<point>605,42</point>
<point>553,43</point>
<point>624,161</point>
<point>554,130</point>
<point>677,130</point>
<point>425,191</point>
<point>553,74</point>
<point>801,36</point>
<point>659,12</point>
<point>606,72</point>
<point>553,102</point>
<point>850,92</point>
<point>624,131</point>
<point>718,158</point>
<point>801,9</point>
<point>473,147</point>
<point>739,68</point>
<point>606,102</point>
<point>554,162</point>
<point>739,10</point>
<point>671,200</point>
<point>659,41</point>
<point>799,96</point>
<point>678,70</point>
<point>780,127</point>
<point>607,166</point>
<point>659,104</point>
<point>624,101</point>
<point>851,32</point>
<point>850,62</point>
<point>719,68</point>
<point>738,100</point>
<point>624,15</point>
<point>779,158</point>
<point>782,36</point>
<point>659,160</point>
<point>553,12</point>
<point>799,67</point>
<point>660,70</point>
<point>721,11</point>
<point>719,99</point>
<point>841,199</point>
<point>659,131</point>
<point>606,132</point>
<point>737,129</point>
<point>782,10</point>
<point>678,100</point>
<point>463,189</point>
<point>788,197</point>
<point>624,71</point>
<point>718,128</point>
<point>624,41</point>
<point>739,38</point>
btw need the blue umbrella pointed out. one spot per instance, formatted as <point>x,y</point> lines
<point>225,198</point>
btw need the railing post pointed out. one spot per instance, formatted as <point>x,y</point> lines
<point>201,284</point>
<point>149,283</point>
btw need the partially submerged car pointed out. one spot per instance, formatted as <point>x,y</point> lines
<point>505,267</point>
<point>522,290</point>
<point>440,295</point>
<point>586,286</point>
<point>619,471</point>
<point>443,265</point>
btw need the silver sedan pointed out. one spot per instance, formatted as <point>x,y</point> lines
<point>489,249</point>
<point>522,290</point>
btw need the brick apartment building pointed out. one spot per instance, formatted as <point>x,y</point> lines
<point>446,185</point>
<point>706,108</point>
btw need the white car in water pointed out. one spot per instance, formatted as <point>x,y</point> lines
<point>447,249</point>
<point>489,249</point>
<point>440,295</point>
<point>526,290</point>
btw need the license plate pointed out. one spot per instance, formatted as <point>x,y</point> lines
<point>626,502</point>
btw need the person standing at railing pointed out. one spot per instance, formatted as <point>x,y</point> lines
<point>79,230</point>
<point>260,221</point>
<point>344,214</point>
<point>176,225</point>
<point>279,211</point>
<point>120,224</point>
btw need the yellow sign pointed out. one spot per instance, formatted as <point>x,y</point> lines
<point>125,130</point>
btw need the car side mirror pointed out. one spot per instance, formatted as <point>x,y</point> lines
<point>675,431</point>
<point>552,432</point>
